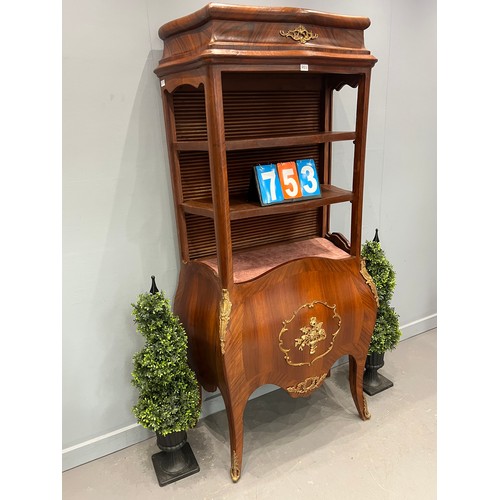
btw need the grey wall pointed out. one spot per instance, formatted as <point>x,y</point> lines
<point>118,222</point>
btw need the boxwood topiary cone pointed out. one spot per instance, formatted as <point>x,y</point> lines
<point>169,394</point>
<point>386,333</point>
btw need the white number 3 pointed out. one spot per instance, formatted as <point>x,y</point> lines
<point>312,185</point>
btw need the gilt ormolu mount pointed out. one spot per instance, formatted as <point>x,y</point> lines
<point>267,294</point>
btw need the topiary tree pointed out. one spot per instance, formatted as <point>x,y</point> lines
<point>386,333</point>
<point>169,395</point>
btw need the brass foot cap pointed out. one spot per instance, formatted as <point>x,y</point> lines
<point>235,475</point>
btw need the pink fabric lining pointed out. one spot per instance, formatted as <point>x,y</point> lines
<point>252,263</point>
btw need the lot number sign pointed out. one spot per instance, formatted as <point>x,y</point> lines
<point>287,181</point>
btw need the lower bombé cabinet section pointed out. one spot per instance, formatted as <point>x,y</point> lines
<point>292,312</point>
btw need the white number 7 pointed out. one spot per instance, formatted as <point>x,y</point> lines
<point>270,175</point>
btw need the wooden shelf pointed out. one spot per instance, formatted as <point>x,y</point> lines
<point>242,209</point>
<point>269,142</point>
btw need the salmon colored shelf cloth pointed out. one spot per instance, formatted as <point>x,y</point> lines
<point>249,264</point>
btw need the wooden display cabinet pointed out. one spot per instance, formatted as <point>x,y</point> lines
<point>267,294</point>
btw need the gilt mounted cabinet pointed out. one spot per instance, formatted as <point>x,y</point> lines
<point>267,294</point>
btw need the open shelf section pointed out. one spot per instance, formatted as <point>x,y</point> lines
<point>268,142</point>
<point>242,209</point>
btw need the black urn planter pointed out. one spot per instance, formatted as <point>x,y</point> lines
<point>176,459</point>
<point>373,382</point>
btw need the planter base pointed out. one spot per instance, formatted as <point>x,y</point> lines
<point>384,384</point>
<point>170,466</point>
<point>373,382</point>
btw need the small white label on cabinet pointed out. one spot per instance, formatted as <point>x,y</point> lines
<point>304,67</point>
<point>162,83</point>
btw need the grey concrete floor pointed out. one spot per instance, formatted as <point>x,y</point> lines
<point>315,447</point>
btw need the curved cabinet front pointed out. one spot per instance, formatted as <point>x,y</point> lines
<point>286,327</point>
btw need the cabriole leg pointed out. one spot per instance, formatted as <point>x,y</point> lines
<point>356,369</point>
<point>235,408</point>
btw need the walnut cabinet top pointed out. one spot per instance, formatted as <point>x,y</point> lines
<point>225,34</point>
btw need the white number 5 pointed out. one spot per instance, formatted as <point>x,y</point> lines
<point>289,180</point>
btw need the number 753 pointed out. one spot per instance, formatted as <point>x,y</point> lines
<point>287,181</point>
